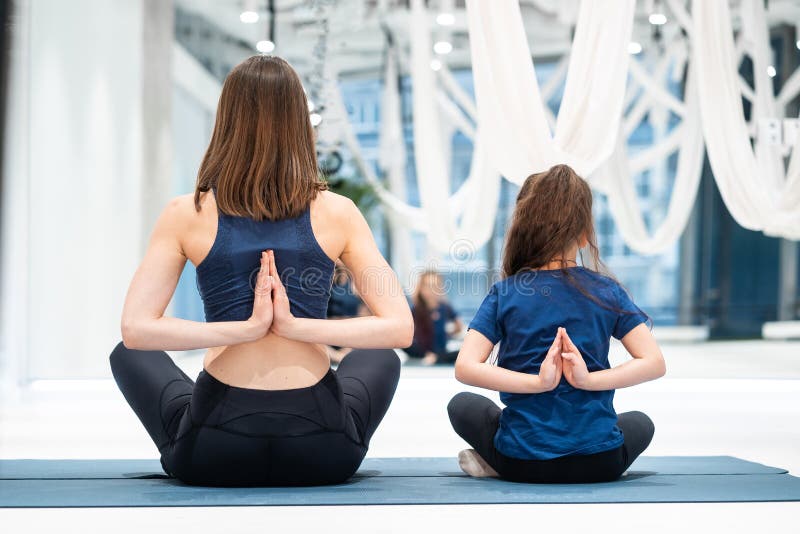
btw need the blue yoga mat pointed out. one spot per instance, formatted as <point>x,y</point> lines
<point>384,467</point>
<point>130,483</point>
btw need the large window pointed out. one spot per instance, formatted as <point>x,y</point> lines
<point>652,280</point>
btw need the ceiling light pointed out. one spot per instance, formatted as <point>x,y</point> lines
<point>771,72</point>
<point>248,17</point>
<point>445,19</point>
<point>657,19</point>
<point>265,47</point>
<point>436,64</point>
<point>634,47</point>
<point>442,47</point>
<point>316,118</point>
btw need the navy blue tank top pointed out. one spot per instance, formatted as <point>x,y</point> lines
<point>227,275</point>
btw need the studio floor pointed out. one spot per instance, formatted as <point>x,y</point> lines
<point>718,398</point>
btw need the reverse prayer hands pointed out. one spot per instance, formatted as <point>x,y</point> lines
<point>575,370</point>
<point>283,318</point>
<point>551,369</point>
<point>261,318</point>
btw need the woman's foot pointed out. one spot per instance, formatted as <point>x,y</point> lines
<point>472,464</point>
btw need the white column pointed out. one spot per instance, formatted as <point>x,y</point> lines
<point>97,137</point>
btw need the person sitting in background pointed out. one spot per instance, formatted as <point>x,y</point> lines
<point>435,322</point>
<point>344,301</point>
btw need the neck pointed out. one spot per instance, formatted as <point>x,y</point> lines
<point>559,264</point>
<point>568,259</point>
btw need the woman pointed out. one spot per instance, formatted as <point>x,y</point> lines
<point>553,320</point>
<point>263,233</point>
<point>435,321</point>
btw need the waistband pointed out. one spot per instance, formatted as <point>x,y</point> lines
<point>207,380</point>
<point>216,403</point>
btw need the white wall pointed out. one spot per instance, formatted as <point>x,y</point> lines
<point>80,194</point>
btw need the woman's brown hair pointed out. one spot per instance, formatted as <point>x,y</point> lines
<point>421,310</point>
<point>262,159</point>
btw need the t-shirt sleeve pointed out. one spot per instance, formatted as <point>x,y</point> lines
<point>486,321</point>
<point>629,315</point>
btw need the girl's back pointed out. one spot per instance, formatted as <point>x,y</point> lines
<point>525,311</point>
<point>553,321</point>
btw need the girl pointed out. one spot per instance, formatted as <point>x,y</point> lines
<point>435,321</point>
<point>553,320</point>
<point>264,234</point>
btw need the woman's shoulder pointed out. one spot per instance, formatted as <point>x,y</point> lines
<point>335,210</point>
<point>178,211</point>
<point>180,214</point>
<point>328,201</point>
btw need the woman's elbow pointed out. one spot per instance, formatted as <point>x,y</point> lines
<point>132,336</point>
<point>405,332</point>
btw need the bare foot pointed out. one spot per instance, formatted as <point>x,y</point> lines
<point>429,359</point>
<point>472,464</point>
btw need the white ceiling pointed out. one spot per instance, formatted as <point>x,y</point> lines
<point>357,40</point>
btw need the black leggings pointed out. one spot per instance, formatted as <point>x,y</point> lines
<point>476,418</point>
<point>212,434</point>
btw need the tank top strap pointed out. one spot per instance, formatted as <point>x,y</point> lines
<point>308,238</point>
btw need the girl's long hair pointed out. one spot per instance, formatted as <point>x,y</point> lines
<point>553,213</point>
<point>262,157</point>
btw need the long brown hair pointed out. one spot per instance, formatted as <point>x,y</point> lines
<point>554,213</point>
<point>421,311</point>
<point>262,159</point>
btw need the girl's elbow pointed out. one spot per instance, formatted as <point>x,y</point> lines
<point>461,372</point>
<point>660,367</point>
<point>662,370</point>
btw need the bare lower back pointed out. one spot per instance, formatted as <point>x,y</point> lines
<point>270,363</point>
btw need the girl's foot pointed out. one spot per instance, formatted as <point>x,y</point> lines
<point>472,464</point>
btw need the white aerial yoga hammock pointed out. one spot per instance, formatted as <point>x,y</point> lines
<point>392,161</point>
<point>617,174</point>
<point>756,190</point>
<point>458,223</point>
<point>586,137</point>
<point>433,172</point>
<point>511,113</point>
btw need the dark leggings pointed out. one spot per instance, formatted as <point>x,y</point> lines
<point>210,433</point>
<point>476,418</point>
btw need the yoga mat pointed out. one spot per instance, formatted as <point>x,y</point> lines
<point>385,467</point>
<point>392,481</point>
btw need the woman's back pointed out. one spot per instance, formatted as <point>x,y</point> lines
<point>263,232</point>
<point>226,250</point>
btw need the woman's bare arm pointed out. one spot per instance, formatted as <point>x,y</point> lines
<point>390,326</point>
<point>143,323</point>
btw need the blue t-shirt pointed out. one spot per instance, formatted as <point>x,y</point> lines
<point>523,313</point>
